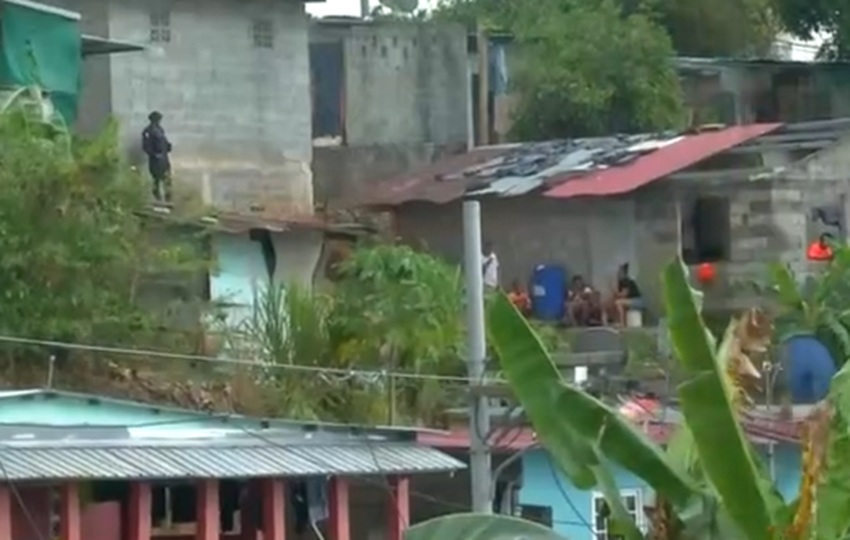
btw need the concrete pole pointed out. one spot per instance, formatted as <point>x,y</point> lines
<point>479,416</point>
<point>364,9</point>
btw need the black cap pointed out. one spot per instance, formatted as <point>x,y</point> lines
<point>155,116</point>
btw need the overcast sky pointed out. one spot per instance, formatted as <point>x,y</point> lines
<point>348,7</point>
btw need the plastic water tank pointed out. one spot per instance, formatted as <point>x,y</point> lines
<point>809,367</point>
<point>548,290</point>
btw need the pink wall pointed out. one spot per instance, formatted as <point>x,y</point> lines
<point>34,522</point>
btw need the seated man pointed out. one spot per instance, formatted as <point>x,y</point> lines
<point>520,298</point>
<point>584,304</point>
<point>626,296</point>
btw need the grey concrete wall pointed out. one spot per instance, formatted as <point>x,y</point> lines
<point>344,172</point>
<point>406,101</point>
<point>588,236</point>
<point>238,115</point>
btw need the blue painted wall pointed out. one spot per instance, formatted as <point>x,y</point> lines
<point>572,509</point>
<point>240,271</point>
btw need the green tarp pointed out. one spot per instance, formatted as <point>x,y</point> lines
<point>42,48</point>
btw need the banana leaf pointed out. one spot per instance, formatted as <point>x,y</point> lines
<point>833,496</point>
<point>570,423</point>
<point>479,527</point>
<point>706,402</point>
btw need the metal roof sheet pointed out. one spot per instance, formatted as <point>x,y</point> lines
<point>166,462</point>
<point>591,166</point>
<point>663,161</point>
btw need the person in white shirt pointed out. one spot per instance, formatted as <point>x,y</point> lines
<point>490,267</point>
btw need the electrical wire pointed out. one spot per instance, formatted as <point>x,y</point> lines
<point>566,496</point>
<point>234,361</point>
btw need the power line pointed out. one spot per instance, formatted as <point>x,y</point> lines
<point>240,362</point>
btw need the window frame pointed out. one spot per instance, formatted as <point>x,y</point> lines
<point>159,22</point>
<point>640,519</point>
<point>263,33</point>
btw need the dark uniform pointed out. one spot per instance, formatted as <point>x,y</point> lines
<point>155,144</point>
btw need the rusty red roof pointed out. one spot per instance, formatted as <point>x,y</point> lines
<point>662,162</point>
<point>563,168</point>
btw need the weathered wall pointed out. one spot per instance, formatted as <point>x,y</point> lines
<point>590,237</point>
<point>237,113</point>
<point>404,95</point>
<point>241,273</point>
<point>342,172</point>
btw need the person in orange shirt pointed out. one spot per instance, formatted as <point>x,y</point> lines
<point>520,298</point>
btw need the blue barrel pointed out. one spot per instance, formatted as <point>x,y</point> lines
<point>548,291</point>
<point>809,367</point>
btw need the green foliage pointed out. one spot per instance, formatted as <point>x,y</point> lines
<point>74,249</point>
<point>818,305</point>
<point>807,18</point>
<point>394,309</point>
<point>478,527</point>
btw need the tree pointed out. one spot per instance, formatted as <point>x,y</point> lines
<point>586,68</point>
<point>806,19</point>
<point>725,28</point>
<point>74,250</point>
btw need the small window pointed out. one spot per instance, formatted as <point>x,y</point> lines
<point>706,234</point>
<point>537,514</point>
<point>601,513</point>
<point>160,22</point>
<point>263,34</point>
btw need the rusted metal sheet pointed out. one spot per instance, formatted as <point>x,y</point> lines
<point>566,168</point>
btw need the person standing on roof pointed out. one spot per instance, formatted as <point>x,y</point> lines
<point>157,147</point>
<point>490,268</point>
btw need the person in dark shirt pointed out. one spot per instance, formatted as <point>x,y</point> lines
<point>157,147</point>
<point>627,295</point>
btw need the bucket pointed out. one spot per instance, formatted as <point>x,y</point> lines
<point>634,318</point>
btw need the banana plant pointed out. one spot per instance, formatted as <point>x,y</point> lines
<point>479,527</point>
<point>582,434</point>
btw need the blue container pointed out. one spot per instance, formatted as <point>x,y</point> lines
<point>548,291</point>
<point>809,367</point>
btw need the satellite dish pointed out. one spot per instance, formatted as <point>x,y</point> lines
<point>403,6</point>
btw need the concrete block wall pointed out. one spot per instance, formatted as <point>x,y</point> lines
<point>405,101</point>
<point>237,114</point>
<point>406,83</point>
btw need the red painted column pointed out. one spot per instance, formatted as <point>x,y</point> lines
<point>208,519</point>
<point>274,509</point>
<point>5,512</point>
<point>69,512</point>
<point>399,507</point>
<point>139,511</point>
<point>247,514</point>
<point>339,527</point>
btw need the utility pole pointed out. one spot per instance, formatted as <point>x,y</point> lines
<point>479,415</point>
<point>364,9</point>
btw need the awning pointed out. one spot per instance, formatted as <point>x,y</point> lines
<point>170,461</point>
<point>94,45</point>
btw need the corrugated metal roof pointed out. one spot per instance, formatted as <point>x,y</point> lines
<point>216,461</point>
<point>665,160</point>
<point>592,166</point>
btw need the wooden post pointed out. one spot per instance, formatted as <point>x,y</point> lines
<point>398,511</point>
<point>139,511</point>
<point>339,525</point>
<point>69,511</point>
<point>5,511</point>
<point>208,518</point>
<point>483,87</point>
<point>274,509</point>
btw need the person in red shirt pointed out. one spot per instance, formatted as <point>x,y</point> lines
<point>820,250</point>
<point>520,298</point>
